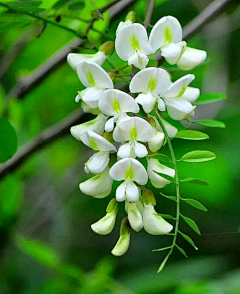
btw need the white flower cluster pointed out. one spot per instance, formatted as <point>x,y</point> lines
<point>119,137</point>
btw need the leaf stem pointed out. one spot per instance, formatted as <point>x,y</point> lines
<point>177,181</point>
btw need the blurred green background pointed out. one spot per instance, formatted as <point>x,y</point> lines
<point>46,243</point>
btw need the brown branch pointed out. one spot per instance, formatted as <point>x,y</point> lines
<point>149,13</point>
<point>61,128</point>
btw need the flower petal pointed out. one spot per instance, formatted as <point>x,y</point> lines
<point>134,217</point>
<point>132,192</point>
<point>96,125</point>
<point>105,225</point>
<point>74,59</point>
<point>139,60</point>
<point>121,192</point>
<point>140,150</point>
<point>130,39</point>
<point>92,75</point>
<point>173,52</point>
<point>124,240</point>
<point>147,100</point>
<point>166,30</point>
<point>98,162</point>
<point>156,143</point>
<point>191,94</point>
<point>154,80</point>
<point>171,130</point>
<point>98,186</point>
<point>135,129</point>
<point>96,142</point>
<point>113,102</point>
<point>178,88</point>
<point>124,150</point>
<point>179,108</point>
<point>191,58</point>
<point>90,96</point>
<point>161,104</point>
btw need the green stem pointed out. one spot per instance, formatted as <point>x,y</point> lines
<point>177,182</point>
<point>45,20</point>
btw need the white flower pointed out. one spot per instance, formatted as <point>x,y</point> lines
<point>178,105</point>
<point>124,240</point>
<point>96,125</point>
<point>151,83</point>
<point>130,170</point>
<point>99,186</point>
<point>191,58</point>
<point>96,80</point>
<point>132,45</point>
<point>133,130</point>
<point>122,25</point>
<point>167,35</point>
<point>154,167</point>
<point>99,161</point>
<point>134,216</point>
<point>116,103</point>
<point>157,141</point>
<point>171,130</point>
<point>153,223</point>
<point>74,59</point>
<point>106,224</point>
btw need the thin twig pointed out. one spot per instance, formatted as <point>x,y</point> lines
<point>30,148</point>
<point>149,13</point>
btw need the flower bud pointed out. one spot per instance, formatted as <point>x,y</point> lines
<point>106,224</point>
<point>148,197</point>
<point>191,58</point>
<point>134,217</point>
<point>155,167</point>
<point>99,186</point>
<point>74,59</point>
<point>157,141</point>
<point>107,48</point>
<point>131,16</point>
<point>96,125</point>
<point>153,223</point>
<point>124,240</point>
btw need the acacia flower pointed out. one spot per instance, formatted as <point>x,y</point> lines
<point>128,170</point>
<point>99,161</point>
<point>74,59</point>
<point>106,224</point>
<point>134,216</point>
<point>96,125</point>
<point>191,58</point>
<point>124,240</point>
<point>132,45</point>
<point>99,186</point>
<point>151,83</point>
<point>130,18</point>
<point>133,130</point>
<point>116,103</point>
<point>96,80</point>
<point>155,167</point>
<point>167,35</point>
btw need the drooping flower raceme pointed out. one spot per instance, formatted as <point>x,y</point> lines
<point>130,128</point>
<point>96,80</point>
<point>132,45</point>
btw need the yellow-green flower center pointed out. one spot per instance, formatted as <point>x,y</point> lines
<point>91,79</point>
<point>152,84</point>
<point>93,144</point>
<point>168,35</point>
<point>182,91</point>
<point>133,133</point>
<point>129,173</point>
<point>116,106</point>
<point>135,43</point>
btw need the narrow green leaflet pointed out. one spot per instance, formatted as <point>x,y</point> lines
<point>195,181</point>
<point>173,198</point>
<point>8,140</point>
<point>166,177</point>
<point>191,224</point>
<point>41,252</point>
<point>210,98</point>
<point>27,6</point>
<point>187,238</point>
<point>198,156</point>
<point>163,263</point>
<point>166,216</point>
<point>160,157</point>
<point>77,6</point>
<point>191,135</point>
<point>162,249</point>
<point>181,250</point>
<point>211,123</point>
<point>195,204</point>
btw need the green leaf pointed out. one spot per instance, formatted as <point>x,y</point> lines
<point>187,238</point>
<point>181,250</point>
<point>173,198</point>
<point>162,249</point>
<point>153,63</point>
<point>163,263</point>
<point>191,224</point>
<point>61,3</point>
<point>166,177</point>
<point>198,156</point>
<point>27,6</point>
<point>195,204</point>
<point>195,181</point>
<point>8,140</point>
<point>211,123</point>
<point>210,98</point>
<point>168,216</point>
<point>191,135</point>
<point>39,251</point>
<point>77,6</point>
<point>160,157</point>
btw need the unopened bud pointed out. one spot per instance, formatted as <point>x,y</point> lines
<point>131,16</point>
<point>107,48</point>
<point>148,197</point>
